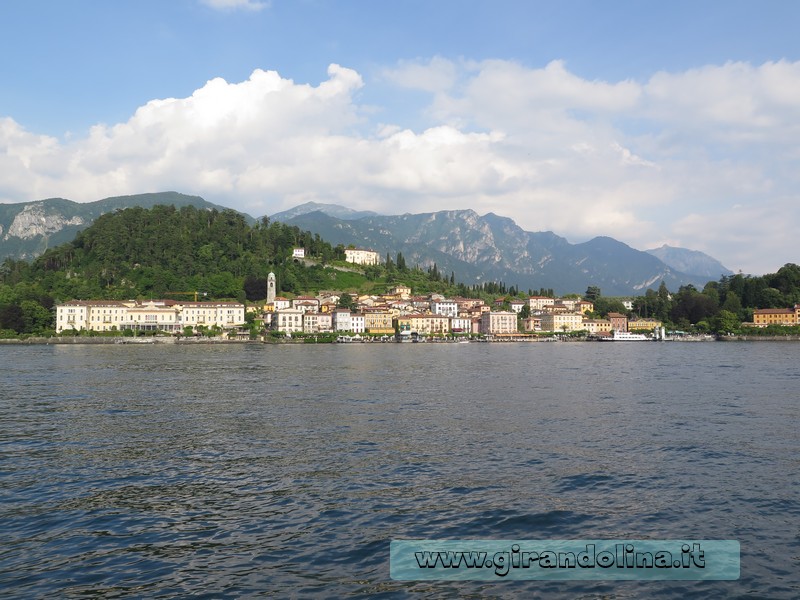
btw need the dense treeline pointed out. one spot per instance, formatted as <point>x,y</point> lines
<point>721,306</point>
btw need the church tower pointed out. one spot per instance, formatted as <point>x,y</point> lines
<point>270,288</point>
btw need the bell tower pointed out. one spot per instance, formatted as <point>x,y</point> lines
<point>270,288</point>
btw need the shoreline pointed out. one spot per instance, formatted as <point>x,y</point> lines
<point>40,341</point>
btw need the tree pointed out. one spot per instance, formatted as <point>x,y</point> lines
<point>255,288</point>
<point>725,322</point>
<point>732,303</point>
<point>12,317</point>
<point>592,293</point>
<point>345,301</point>
<point>603,306</point>
<point>36,318</point>
<point>691,305</point>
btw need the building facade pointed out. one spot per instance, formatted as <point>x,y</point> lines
<point>288,320</point>
<point>619,322</point>
<point>359,256</point>
<point>447,308</point>
<point>154,315</point>
<point>498,322</point>
<point>562,322</point>
<point>595,326</point>
<point>540,302</point>
<point>777,316</point>
<point>378,322</point>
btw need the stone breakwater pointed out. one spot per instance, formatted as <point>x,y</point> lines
<point>759,338</point>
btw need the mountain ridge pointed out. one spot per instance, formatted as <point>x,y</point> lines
<point>478,248</point>
<point>492,247</point>
<point>690,261</point>
<point>27,229</point>
<point>334,210</point>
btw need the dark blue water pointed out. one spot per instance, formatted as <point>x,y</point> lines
<point>229,471</point>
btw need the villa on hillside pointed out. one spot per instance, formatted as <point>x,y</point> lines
<point>360,256</point>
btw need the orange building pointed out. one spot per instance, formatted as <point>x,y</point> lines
<point>777,316</point>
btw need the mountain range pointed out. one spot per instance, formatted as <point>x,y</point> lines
<point>476,248</point>
<point>494,248</point>
<point>27,229</point>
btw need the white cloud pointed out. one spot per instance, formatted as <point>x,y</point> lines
<point>436,75</point>
<point>733,102</point>
<point>703,156</point>
<point>249,5</point>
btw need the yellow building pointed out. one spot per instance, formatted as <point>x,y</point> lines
<point>562,321</point>
<point>776,316</point>
<point>403,292</point>
<point>429,324</point>
<point>378,322</point>
<point>595,326</point>
<point>644,324</point>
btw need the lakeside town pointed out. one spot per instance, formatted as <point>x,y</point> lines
<point>398,313</point>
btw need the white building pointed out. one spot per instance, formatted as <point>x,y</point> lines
<point>91,315</point>
<point>288,320</point>
<point>220,314</point>
<point>282,303</point>
<point>306,303</point>
<point>361,257</point>
<point>540,302</point>
<point>153,315</point>
<point>342,320</point>
<point>314,322</point>
<point>298,253</point>
<point>446,308</point>
<point>358,323</point>
<point>461,325</point>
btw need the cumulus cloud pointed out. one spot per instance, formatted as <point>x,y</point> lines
<point>659,160</point>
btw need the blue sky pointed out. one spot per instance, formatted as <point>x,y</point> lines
<point>651,122</point>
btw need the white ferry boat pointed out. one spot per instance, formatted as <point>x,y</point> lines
<point>626,336</point>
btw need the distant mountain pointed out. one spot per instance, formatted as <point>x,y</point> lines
<point>333,210</point>
<point>692,262</point>
<point>27,229</point>
<point>493,248</point>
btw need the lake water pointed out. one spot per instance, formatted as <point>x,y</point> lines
<point>247,470</point>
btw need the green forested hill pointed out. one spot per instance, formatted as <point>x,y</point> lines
<point>27,229</point>
<point>162,252</point>
<point>140,252</point>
